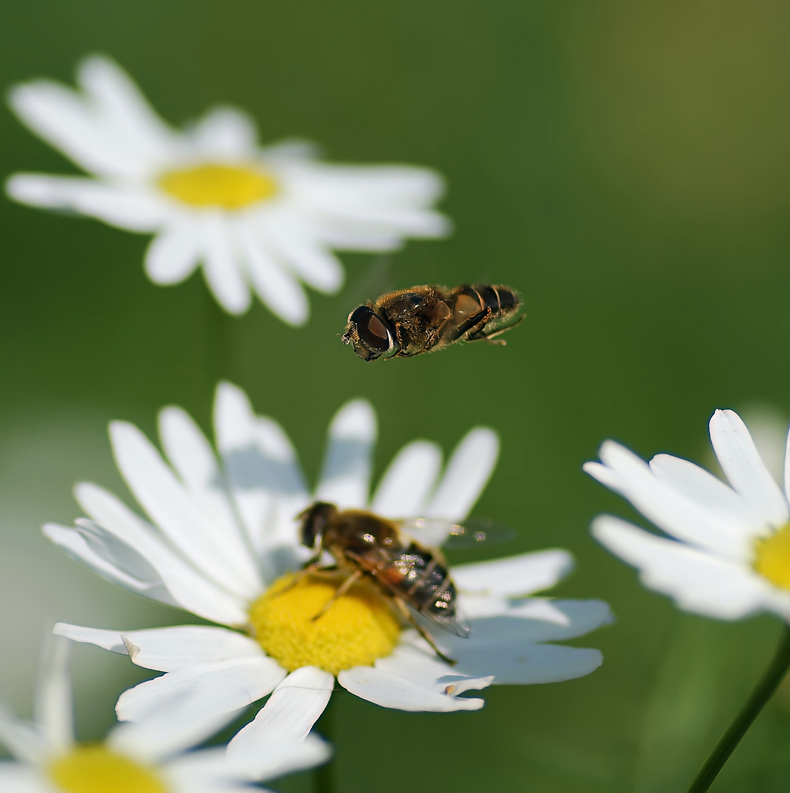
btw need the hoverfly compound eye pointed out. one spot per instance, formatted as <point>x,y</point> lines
<point>314,521</point>
<point>369,334</point>
<point>373,333</point>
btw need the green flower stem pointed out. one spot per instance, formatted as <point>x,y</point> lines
<point>218,342</point>
<point>324,775</point>
<point>760,696</point>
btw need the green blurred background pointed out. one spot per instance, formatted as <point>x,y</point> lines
<point>625,165</point>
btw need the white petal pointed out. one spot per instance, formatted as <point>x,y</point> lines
<point>126,116</point>
<point>106,639</point>
<point>278,289</point>
<point>405,485</point>
<point>273,759</point>
<point>768,428</point>
<point>513,576</point>
<point>53,705</point>
<point>515,662</point>
<point>412,681</point>
<point>279,757</point>
<point>387,185</point>
<point>535,619</point>
<point>390,691</point>
<point>170,507</point>
<point>173,254</point>
<point>289,713</point>
<point>747,473</point>
<point>200,783</point>
<point>304,255</point>
<point>696,580</point>
<point>117,552</point>
<point>226,133</point>
<point>606,476</point>
<point>169,649</point>
<point>179,726</point>
<point>221,266</point>
<point>75,546</point>
<point>182,584</point>
<point>415,222</point>
<point>264,477</point>
<point>61,117</point>
<point>345,476</point>
<point>130,208</point>
<point>195,462</point>
<point>467,473</point>
<point>707,491</point>
<point>204,765</point>
<point>349,236</point>
<point>668,508</point>
<point>18,778</point>
<point>214,688</point>
<point>22,741</point>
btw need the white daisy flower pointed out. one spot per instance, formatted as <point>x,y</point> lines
<point>260,218</point>
<point>222,542</point>
<point>729,552</point>
<point>147,757</point>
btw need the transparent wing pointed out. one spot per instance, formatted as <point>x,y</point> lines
<point>436,532</point>
<point>456,623</point>
<point>378,279</point>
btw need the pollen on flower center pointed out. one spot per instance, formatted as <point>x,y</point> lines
<point>219,185</point>
<point>773,557</point>
<point>93,768</point>
<point>355,630</point>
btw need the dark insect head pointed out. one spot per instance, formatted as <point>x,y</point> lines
<point>368,333</point>
<point>314,521</point>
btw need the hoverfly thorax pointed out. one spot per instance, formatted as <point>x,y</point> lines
<point>369,335</point>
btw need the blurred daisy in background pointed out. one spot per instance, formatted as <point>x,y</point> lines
<point>222,542</point>
<point>728,555</point>
<point>148,757</point>
<point>265,219</point>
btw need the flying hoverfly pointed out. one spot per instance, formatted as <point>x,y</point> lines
<point>420,319</point>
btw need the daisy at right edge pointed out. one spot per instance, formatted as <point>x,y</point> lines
<point>728,552</point>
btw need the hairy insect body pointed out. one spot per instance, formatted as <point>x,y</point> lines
<point>412,321</point>
<point>365,544</point>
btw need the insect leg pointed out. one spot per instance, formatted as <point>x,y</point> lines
<point>339,592</point>
<point>404,609</point>
<point>491,338</point>
<point>298,576</point>
<point>473,325</point>
<point>313,567</point>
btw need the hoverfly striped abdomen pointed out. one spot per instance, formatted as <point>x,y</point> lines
<point>425,582</point>
<point>483,311</point>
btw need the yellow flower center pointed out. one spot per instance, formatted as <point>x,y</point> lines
<point>93,768</point>
<point>355,629</point>
<point>773,557</point>
<point>219,185</point>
